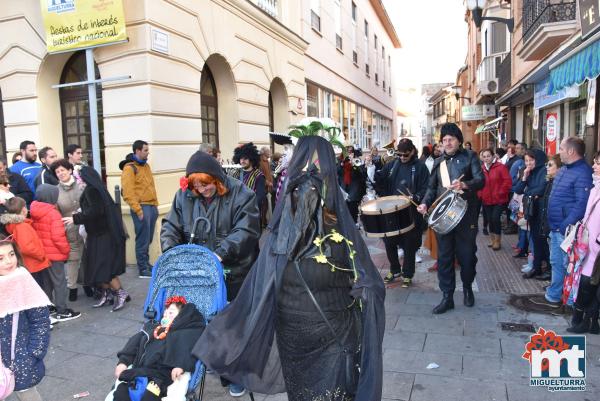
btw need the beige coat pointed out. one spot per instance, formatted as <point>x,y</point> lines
<point>68,203</point>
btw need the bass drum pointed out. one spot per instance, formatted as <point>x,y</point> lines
<point>448,213</point>
<point>387,216</point>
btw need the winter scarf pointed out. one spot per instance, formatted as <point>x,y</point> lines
<point>20,292</point>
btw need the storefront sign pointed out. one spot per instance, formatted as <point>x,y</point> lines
<point>542,99</point>
<point>472,113</point>
<point>551,133</point>
<point>590,113</point>
<point>79,24</point>
<point>589,16</point>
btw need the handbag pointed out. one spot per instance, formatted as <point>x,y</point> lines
<point>529,209</point>
<point>7,374</point>
<point>351,368</point>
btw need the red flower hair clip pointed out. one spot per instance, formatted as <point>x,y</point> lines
<point>177,299</point>
<point>183,183</point>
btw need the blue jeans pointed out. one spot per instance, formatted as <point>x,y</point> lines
<point>559,261</point>
<point>144,234</point>
<point>523,240</point>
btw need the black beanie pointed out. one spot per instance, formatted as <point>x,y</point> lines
<point>451,129</point>
<point>202,162</point>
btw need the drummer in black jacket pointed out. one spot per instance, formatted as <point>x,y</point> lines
<point>460,242</point>
<point>404,176</point>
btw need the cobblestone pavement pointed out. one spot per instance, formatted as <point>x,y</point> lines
<point>477,359</point>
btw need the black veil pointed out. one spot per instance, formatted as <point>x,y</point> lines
<point>239,343</point>
<point>112,210</point>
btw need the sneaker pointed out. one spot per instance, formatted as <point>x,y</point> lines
<point>391,277</point>
<point>53,320</point>
<point>52,310</point>
<point>526,268</point>
<point>68,314</point>
<point>406,282</point>
<point>236,390</point>
<point>145,274</point>
<point>545,302</point>
<point>418,259</point>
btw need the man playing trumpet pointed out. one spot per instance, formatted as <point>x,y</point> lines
<point>352,177</point>
<point>458,170</point>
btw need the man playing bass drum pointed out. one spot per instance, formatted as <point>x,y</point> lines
<point>459,243</point>
<point>408,176</point>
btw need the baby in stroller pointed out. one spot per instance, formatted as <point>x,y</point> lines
<point>160,353</point>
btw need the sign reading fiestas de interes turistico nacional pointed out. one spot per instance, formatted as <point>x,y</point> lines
<point>78,24</point>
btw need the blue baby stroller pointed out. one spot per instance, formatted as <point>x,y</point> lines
<point>194,272</point>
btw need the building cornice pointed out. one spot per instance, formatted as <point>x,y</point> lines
<point>386,22</point>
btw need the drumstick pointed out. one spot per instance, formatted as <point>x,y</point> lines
<point>409,198</point>
<point>434,204</point>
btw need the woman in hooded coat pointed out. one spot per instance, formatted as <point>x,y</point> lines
<point>284,287</point>
<point>104,253</point>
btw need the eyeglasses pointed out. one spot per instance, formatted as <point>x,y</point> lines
<point>404,154</point>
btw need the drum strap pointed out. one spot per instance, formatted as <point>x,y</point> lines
<point>445,174</point>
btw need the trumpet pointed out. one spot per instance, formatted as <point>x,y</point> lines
<point>357,162</point>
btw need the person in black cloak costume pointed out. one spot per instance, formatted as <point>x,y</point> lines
<point>104,254</point>
<point>272,338</point>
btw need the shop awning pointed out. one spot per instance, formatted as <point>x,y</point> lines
<point>490,126</point>
<point>583,65</point>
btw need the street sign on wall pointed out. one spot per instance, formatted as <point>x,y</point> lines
<point>79,24</point>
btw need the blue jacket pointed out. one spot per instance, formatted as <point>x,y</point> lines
<point>29,171</point>
<point>514,169</point>
<point>33,337</point>
<point>536,182</point>
<point>569,195</point>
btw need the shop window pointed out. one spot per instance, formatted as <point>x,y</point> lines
<point>577,111</point>
<point>209,112</point>
<point>75,109</point>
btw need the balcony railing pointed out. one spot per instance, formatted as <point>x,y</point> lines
<point>538,12</point>
<point>488,68</point>
<point>270,6</point>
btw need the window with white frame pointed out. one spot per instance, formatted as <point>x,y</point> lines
<point>315,15</point>
<point>366,47</point>
<point>337,16</point>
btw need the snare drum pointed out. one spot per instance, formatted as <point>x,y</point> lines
<point>448,213</point>
<point>387,216</point>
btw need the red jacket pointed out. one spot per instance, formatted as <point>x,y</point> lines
<point>497,185</point>
<point>30,245</point>
<point>47,221</point>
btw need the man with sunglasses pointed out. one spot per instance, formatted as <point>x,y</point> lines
<point>406,175</point>
<point>456,162</point>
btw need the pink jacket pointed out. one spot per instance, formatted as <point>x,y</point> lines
<point>593,226</point>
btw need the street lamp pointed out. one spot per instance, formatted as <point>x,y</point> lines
<point>458,92</point>
<point>476,7</point>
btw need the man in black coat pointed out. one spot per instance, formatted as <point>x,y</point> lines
<point>353,180</point>
<point>460,242</point>
<point>18,186</point>
<point>404,176</point>
<point>47,156</point>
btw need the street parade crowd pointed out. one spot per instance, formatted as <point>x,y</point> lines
<point>309,299</point>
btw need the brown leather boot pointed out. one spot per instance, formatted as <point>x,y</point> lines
<point>497,242</point>
<point>492,237</point>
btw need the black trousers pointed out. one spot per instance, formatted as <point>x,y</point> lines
<point>458,244</point>
<point>353,208</point>
<point>492,214</point>
<point>541,250</point>
<point>587,299</point>
<point>410,243</point>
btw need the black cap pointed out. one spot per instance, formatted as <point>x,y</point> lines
<point>202,162</point>
<point>451,129</point>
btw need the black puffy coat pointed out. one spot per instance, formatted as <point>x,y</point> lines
<point>234,225</point>
<point>463,162</point>
<point>19,187</point>
<point>155,358</point>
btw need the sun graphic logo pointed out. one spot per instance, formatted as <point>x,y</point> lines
<point>60,6</point>
<point>557,362</point>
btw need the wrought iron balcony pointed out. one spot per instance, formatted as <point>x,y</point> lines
<point>539,12</point>
<point>270,6</point>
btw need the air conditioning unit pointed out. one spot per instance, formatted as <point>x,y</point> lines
<point>489,87</point>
